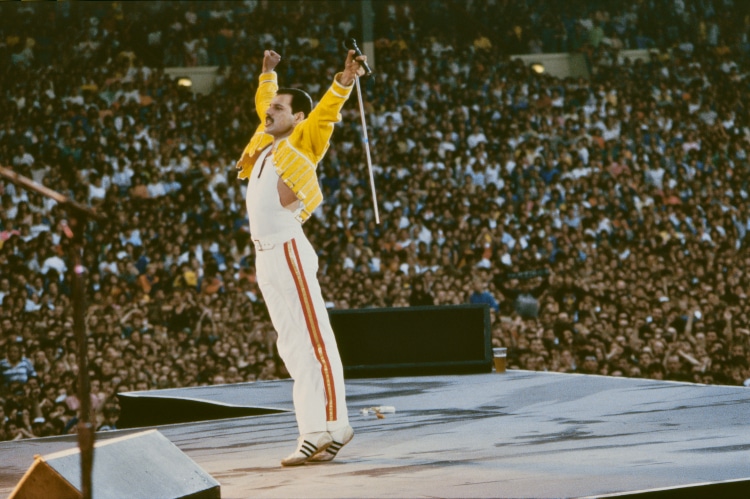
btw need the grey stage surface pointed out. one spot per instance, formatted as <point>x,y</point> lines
<point>518,434</point>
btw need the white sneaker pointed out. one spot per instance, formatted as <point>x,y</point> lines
<point>340,438</point>
<point>307,446</point>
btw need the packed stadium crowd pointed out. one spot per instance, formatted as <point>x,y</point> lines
<point>603,220</point>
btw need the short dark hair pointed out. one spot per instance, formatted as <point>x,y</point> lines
<point>301,100</point>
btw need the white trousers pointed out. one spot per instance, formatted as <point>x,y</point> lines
<point>287,277</point>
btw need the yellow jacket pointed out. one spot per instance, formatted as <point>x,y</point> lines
<point>296,157</point>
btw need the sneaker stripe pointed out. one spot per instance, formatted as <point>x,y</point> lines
<point>307,448</point>
<point>330,452</point>
<point>334,448</point>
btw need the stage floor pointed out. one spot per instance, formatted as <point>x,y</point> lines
<point>518,434</point>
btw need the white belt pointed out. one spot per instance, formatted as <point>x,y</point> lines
<point>266,243</point>
<point>262,246</point>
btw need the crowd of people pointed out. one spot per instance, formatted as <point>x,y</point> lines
<point>604,221</point>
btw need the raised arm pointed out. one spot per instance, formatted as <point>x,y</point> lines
<point>267,88</point>
<point>317,129</point>
<point>267,85</point>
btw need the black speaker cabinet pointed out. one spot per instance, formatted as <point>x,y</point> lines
<point>139,466</point>
<point>383,342</point>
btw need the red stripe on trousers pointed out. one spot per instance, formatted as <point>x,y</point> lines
<point>311,319</point>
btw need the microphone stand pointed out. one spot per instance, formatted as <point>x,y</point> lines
<point>78,214</point>
<point>366,142</point>
<point>351,44</point>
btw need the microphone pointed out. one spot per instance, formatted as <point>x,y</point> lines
<point>351,44</point>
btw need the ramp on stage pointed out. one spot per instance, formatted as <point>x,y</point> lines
<point>518,434</point>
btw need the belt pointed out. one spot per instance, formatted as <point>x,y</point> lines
<point>262,246</point>
<point>266,243</point>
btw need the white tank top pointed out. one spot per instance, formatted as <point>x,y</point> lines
<point>267,216</point>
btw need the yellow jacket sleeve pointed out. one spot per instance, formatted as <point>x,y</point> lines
<point>267,87</point>
<point>313,136</point>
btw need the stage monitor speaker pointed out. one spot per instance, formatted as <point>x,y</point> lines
<point>409,341</point>
<point>143,465</point>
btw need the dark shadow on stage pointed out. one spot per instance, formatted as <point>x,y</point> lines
<point>728,490</point>
<point>138,412</point>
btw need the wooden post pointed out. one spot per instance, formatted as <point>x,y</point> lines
<point>78,214</point>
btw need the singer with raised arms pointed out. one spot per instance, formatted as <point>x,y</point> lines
<point>280,164</point>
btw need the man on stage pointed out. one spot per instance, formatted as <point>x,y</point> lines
<point>282,192</point>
